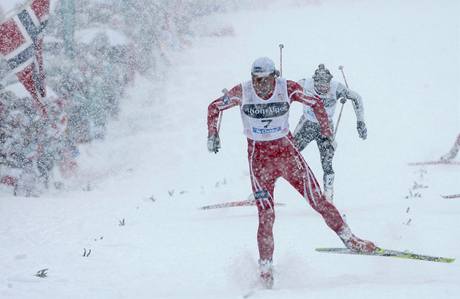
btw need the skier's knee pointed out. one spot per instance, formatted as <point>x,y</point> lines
<point>264,200</point>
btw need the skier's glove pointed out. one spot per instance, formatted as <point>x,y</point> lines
<point>362,130</point>
<point>213,143</point>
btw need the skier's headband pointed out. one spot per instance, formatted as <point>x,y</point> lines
<point>265,74</point>
<point>263,67</point>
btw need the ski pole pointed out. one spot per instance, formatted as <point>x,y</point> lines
<point>281,59</point>
<point>226,99</point>
<point>343,102</point>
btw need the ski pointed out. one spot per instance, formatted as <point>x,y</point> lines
<point>257,291</point>
<point>230,204</point>
<point>451,196</point>
<point>390,253</point>
<point>439,162</point>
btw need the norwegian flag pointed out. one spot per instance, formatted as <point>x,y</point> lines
<point>21,41</point>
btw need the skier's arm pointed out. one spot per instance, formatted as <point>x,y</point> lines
<point>216,108</point>
<point>343,92</point>
<point>295,93</point>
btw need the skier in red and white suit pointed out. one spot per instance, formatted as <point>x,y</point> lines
<point>264,103</point>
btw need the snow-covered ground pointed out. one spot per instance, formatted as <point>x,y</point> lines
<point>153,171</point>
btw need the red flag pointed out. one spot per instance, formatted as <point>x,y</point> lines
<point>21,39</point>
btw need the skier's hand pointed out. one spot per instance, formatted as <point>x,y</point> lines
<point>213,143</point>
<point>362,130</point>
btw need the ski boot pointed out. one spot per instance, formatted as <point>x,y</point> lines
<point>356,244</point>
<point>266,273</point>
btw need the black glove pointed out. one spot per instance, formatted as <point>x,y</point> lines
<point>213,143</point>
<point>362,130</point>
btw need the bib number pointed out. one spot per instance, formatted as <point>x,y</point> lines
<point>267,121</point>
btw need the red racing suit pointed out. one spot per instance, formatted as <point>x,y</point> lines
<point>269,160</point>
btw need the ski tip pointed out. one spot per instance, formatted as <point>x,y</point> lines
<point>447,260</point>
<point>390,253</point>
<point>450,196</point>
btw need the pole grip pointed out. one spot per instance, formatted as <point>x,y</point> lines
<point>343,75</point>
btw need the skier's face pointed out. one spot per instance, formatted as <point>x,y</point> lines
<point>263,86</point>
<point>322,87</point>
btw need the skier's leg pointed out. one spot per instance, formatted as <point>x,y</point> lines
<point>300,125</point>
<point>299,175</point>
<point>456,148</point>
<point>263,182</point>
<point>305,132</point>
<point>326,151</point>
<point>453,151</point>
<point>263,177</point>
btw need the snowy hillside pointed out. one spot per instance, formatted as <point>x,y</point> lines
<point>136,201</point>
